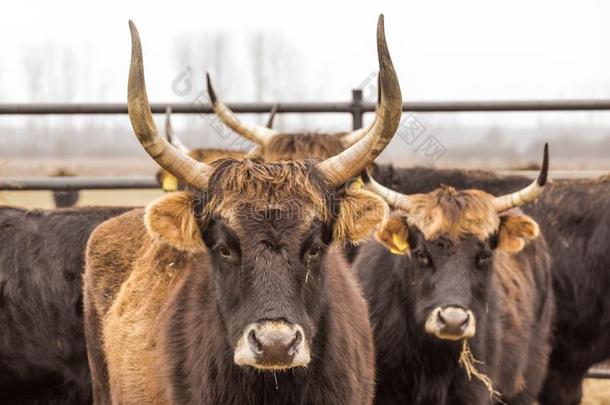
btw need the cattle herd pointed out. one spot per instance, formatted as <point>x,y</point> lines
<point>301,272</point>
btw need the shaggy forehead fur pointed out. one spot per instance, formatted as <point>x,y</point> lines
<point>262,186</point>
<point>454,214</point>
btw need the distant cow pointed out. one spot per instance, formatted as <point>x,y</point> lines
<point>274,146</point>
<point>228,293</point>
<point>65,199</point>
<point>471,294</point>
<point>42,345</point>
<point>574,216</point>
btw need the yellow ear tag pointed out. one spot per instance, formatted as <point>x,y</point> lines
<point>400,244</point>
<point>355,184</point>
<point>170,183</point>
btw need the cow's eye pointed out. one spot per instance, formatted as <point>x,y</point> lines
<point>483,258</point>
<point>224,251</point>
<point>313,253</point>
<point>422,257</point>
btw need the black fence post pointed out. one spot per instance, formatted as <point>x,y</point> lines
<point>357,112</point>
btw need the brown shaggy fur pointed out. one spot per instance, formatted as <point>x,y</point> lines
<point>285,147</point>
<point>455,214</point>
<point>286,185</point>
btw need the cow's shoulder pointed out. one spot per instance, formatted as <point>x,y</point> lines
<point>111,250</point>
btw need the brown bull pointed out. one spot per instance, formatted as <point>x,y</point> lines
<point>229,293</point>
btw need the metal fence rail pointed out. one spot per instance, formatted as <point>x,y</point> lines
<point>357,107</point>
<point>149,182</point>
<point>78,183</point>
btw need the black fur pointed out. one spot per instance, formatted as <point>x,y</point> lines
<point>42,347</point>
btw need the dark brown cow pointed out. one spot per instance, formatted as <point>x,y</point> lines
<point>229,293</point>
<point>65,199</point>
<point>472,293</point>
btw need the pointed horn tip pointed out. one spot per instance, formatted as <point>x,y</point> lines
<point>133,29</point>
<point>387,74</point>
<point>544,170</point>
<point>272,115</point>
<point>380,30</point>
<point>211,92</point>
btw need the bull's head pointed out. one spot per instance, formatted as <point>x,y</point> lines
<point>266,227</point>
<point>455,240</point>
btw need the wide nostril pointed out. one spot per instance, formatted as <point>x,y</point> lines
<point>292,348</point>
<point>255,344</point>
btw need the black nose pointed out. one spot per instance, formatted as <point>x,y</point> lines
<point>453,320</point>
<point>274,346</point>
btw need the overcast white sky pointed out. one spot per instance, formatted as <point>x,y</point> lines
<point>443,50</point>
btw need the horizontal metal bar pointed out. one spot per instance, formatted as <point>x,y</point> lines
<point>556,174</point>
<point>78,183</point>
<point>598,373</point>
<point>313,107</point>
<point>149,182</point>
<point>185,108</point>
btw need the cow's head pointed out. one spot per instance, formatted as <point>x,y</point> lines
<point>455,240</point>
<point>275,146</point>
<point>266,227</point>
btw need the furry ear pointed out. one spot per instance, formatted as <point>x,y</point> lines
<point>395,235</point>
<point>172,219</point>
<point>359,213</point>
<point>515,230</point>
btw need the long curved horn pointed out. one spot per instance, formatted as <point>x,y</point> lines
<point>272,115</point>
<point>169,132</point>
<point>255,133</point>
<point>527,194</point>
<point>338,169</point>
<point>185,168</point>
<point>393,198</point>
<point>352,137</point>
